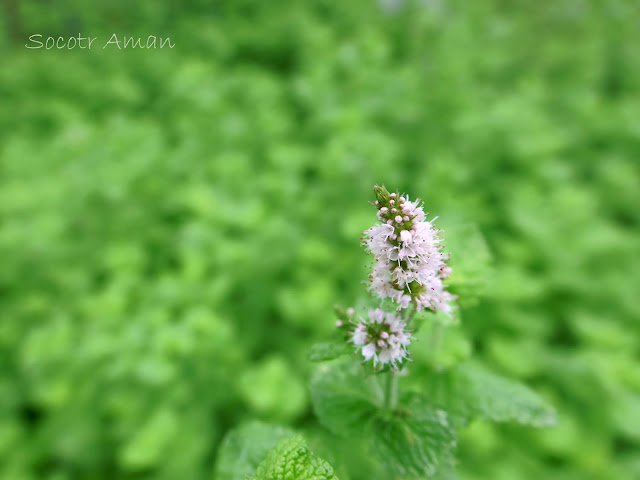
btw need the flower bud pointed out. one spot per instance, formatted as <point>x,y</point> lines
<point>382,194</point>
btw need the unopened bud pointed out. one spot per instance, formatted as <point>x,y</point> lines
<point>382,194</point>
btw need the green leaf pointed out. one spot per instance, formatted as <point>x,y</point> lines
<point>244,447</point>
<point>471,391</point>
<point>417,439</point>
<point>471,261</point>
<point>146,448</point>
<point>323,351</point>
<point>343,398</point>
<point>292,460</point>
<point>414,439</point>
<point>273,389</point>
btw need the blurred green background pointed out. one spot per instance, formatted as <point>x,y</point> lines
<point>176,225</point>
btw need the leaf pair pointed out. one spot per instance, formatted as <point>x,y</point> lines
<point>419,436</point>
<point>416,438</point>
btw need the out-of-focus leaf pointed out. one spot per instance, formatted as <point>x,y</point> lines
<point>244,447</point>
<point>471,391</point>
<point>342,396</point>
<point>323,351</point>
<point>272,389</point>
<point>150,442</point>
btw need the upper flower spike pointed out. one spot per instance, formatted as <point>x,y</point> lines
<point>409,263</point>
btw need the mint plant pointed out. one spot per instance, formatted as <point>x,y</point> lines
<point>367,387</point>
<point>411,425</point>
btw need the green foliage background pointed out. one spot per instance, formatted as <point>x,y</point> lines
<point>176,225</point>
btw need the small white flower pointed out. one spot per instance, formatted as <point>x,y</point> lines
<point>381,337</point>
<point>405,236</point>
<point>369,351</point>
<point>405,300</point>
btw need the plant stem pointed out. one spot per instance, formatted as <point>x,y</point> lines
<point>391,393</point>
<point>436,338</point>
<point>376,389</point>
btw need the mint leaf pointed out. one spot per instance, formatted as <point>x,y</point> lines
<point>292,460</point>
<point>416,439</point>
<point>471,391</point>
<point>342,397</point>
<point>244,447</point>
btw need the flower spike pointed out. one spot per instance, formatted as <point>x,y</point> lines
<point>409,265</point>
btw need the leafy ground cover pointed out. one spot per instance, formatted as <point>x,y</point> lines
<point>176,225</point>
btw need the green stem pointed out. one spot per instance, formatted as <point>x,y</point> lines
<point>376,388</point>
<point>391,391</point>
<point>436,338</point>
<point>409,314</point>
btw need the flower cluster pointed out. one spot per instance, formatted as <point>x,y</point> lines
<point>382,337</point>
<point>409,263</point>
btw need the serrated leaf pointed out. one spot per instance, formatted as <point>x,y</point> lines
<point>292,460</point>
<point>417,439</point>
<point>414,439</point>
<point>324,351</point>
<point>471,391</point>
<point>244,447</point>
<point>342,397</point>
